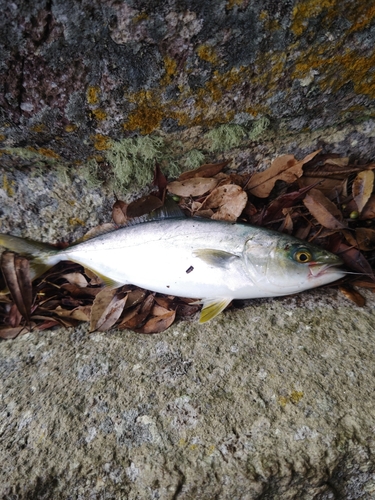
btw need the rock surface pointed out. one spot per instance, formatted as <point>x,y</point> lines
<point>76,76</point>
<point>273,401</point>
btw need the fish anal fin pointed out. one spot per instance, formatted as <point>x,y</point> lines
<point>213,307</point>
<point>217,258</point>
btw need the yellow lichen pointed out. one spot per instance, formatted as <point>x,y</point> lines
<point>142,16</point>
<point>170,70</point>
<point>296,396</point>
<point>8,186</point>
<point>282,400</point>
<point>2,137</point>
<point>38,127</point>
<point>93,94</point>
<point>101,142</point>
<point>75,221</point>
<point>336,71</point>
<point>207,53</point>
<point>231,3</point>
<point>365,18</point>
<point>44,151</point>
<point>145,118</point>
<point>307,9</point>
<point>99,114</point>
<point>70,127</point>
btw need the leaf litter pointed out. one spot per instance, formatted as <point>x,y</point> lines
<point>323,198</point>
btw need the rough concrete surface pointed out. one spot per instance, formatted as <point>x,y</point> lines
<point>272,401</point>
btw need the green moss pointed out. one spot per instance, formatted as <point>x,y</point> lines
<point>259,126</point>
<point>193,159</point>
<point>225,137</point>
<point>133,160</point>
<point>90,173</point>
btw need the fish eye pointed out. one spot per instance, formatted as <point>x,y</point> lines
<point>302,256</point>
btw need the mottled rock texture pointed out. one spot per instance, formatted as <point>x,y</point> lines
<point>77,75</point>
<point>275,401</point>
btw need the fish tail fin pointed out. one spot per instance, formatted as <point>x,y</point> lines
<point>42,256</point>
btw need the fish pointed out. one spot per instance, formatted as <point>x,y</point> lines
<point>213,261</point>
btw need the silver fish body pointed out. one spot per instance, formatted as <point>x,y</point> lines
<point>213,261</point>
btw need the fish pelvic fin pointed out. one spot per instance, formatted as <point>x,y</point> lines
<point>213,307</point>
<point>42,256</point>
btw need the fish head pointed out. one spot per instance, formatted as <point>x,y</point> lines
<point>282,264</point>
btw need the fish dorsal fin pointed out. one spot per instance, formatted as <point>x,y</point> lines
<point>105,228</point>
<point>216,258</point>
<point>170,210</point>
<point>213,307</point>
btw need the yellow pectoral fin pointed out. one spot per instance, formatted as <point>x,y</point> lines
<point>212,308</point>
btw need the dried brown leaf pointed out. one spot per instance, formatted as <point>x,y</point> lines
<point>353,295</point>
<point>164,301</point>
<point>368,211</point>
<point>158,324</point>
<point>79,292</point>
<point>144,205</point>
<point>363,283</point>
<point>354,259</point>
<point>106,309</point>
<point>363,238</point>
<point>15,316</point>
<point>76,279</point>
<point>303,232</point>
<point>284,168</point>
<point>230,200</point>
<point>9,332</point>
<point>287,225</point>
<point>206,214</point>
<point>48,324</point>
<point>17,277</point>
<point>81,313</point>
<point>206,170</point>
<point>128,315</point>
<point>362,188</point>
<point>119,212</point>
<point>135,297</point>
<point>335,170</point>
<point>330,187</point>
<point>323,210</point>
<point>187,309</point>
<point>287,200</point>
<point>339,162</point>
<point>141,315</point>
<point>197,186</point>
<point>159,180</point>
<point>159,310</point>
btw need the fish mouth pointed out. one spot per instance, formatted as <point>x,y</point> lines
<point>317,270</point>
